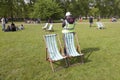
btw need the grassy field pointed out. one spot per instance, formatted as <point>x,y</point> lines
<point>22,54</point>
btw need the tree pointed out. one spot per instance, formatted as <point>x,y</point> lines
<point>108,8</point>
<point>94,12</point>
<point>79,7</point>
<point>47,8</point>
<point>57,8</point>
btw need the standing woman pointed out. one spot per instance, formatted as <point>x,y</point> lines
<point>68,23</point>
<point>3,24</point>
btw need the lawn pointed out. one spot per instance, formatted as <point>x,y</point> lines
<point>22,54</point>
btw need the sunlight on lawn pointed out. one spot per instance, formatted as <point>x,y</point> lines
<point>22,54</point>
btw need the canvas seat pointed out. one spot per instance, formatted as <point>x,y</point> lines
<point>45,27</point>
<point>52,52</point>
<point>70,48</point>
<point>50,27</point>
<point>100,25</point>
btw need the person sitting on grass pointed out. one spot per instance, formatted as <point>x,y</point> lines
<point>21,27</point>
<point>8,28</point>
<point>13,27</point>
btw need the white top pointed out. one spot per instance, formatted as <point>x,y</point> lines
<point>3,20</point>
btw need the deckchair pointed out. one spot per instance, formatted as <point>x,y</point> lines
<point>45,27</point>
<point>50,28</point>
<point>71,50</point>
<point>100,25</point>
<point>52,52</point>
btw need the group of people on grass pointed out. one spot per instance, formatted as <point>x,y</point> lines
<point>68,20</point>
<point>11,27</point>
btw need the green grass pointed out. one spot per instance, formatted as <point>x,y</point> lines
<point>22,54</point>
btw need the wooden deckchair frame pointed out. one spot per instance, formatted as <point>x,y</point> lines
<point>78,48</point>
<point>48,56</point>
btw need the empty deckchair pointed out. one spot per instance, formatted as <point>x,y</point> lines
<point>71,51</point>
<point>45,27</point>
<point>50,28</point>
<point>100,25</point>
<point>52,52</point>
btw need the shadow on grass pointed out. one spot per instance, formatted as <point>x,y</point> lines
<point>75,60</point>
<point>61,64</point>
<point>88,52</point>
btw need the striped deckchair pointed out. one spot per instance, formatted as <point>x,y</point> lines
<point>50,27</point>
<point>71,51</point>
<point>52,52</point>
<point>46,26</point>
<point>100,25</point>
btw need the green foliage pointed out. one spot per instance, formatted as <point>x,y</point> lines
<point>94,12</point>
<point>57,8</point>
<point>108,7</point>
<point>79,8</point>
<point>45,9</point>
<point>15,8</point>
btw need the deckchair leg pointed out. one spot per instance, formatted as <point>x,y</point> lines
<point>82,58</point>
<point>52,66</point>
<point>67,62</point>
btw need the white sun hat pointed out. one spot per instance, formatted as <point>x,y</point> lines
<point>68,14</point>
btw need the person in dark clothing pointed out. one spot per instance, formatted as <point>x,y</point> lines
<point>13,27</point>
<point>68,25</point>
<point>8,28</point>
<point>50,20</point>
<point>91,21</point>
